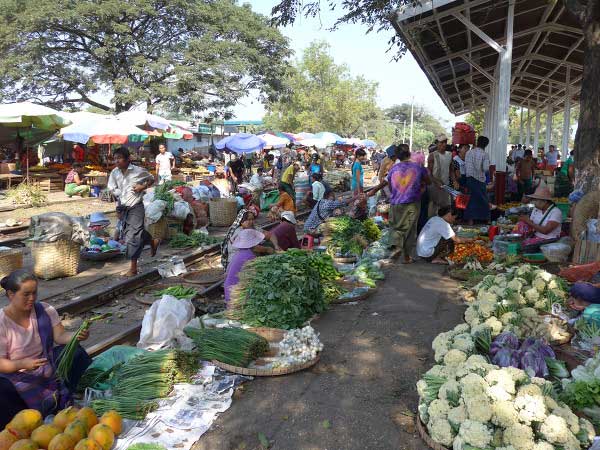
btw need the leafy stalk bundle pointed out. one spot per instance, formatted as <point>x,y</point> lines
<point>322,262</point>
<point>348,235</point>
<point>178,291</point>
<point>177,366</point>
<point>128,407</point>
<point>277,291</point>
<point>161,192</point>
<point>65,359</point>
<point>195,239</point>
<point>234,346</point>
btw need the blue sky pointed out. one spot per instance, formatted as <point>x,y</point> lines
<point>364,55</point>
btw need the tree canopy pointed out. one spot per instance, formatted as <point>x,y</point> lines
<point>323,96</point>
<point>425,126</point>
<point>171,55</point>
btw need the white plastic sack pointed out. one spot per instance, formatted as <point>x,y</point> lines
<point>181,210</point>
<point>154,211</point>
<point>164,322</point>
<point>148,198</point>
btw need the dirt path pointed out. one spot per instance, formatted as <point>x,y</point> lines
<point>361,395</point>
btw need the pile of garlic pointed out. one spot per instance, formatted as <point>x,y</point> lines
<point>298,346</point>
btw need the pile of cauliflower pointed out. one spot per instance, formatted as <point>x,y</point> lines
<point>469,403</point>
<point>509,302</point>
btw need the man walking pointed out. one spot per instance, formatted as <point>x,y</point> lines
<point>524,174</point>
<point>439,166</point>
<point>407,181</point>
<point>128,183</point>
<point>477,163</point>
<point>165,162</point>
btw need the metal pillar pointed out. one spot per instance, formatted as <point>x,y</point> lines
<point>528,135</point>
<point>521,128</point>
<point>549,113</point>
<point>536,136</point>
<point>564,148</point>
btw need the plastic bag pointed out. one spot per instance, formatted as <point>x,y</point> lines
<point>164,322</point>
<point>54,226</point>
<point>154,211</point>
<point>148,198</point>
<point>181,210</point>
<point>556,252</point>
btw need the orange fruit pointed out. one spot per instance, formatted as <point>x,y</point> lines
<point>7,439</point>
<point>24,444</point>
<point>88,444</point>
<point>113,419</point>
<point>44,434</point>
<point>88,417</point>
<point>27,420</point>
<point>103,435</point>
<point>65,417</point>
<point>61,442</point>
<point>76,430</point>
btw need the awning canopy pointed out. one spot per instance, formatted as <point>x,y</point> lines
<point>457,44</point>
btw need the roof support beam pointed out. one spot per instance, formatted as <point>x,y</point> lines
<point>538,118</point>
<point>478,68</point>
<point>479,32</point>
<point>549,113</point>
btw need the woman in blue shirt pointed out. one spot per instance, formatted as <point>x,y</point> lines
<point>315,165</point>
<point>358,172</point>
<point>585,297</point>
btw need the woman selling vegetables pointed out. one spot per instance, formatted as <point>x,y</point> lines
<point>585,298</point>
<point>544,223</point>
<point>29,331</point>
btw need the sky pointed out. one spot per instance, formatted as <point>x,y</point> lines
<point>364,54</point>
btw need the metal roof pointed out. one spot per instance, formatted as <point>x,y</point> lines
<point>460,60</point>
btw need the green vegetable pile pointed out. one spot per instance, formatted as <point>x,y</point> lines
<point>368,274</point>
<point>277,291</point>
<point>581,394</point>
<point>195,239</point>
<point>321,262</point>
<point>161,192</point>
<point>348,236</point>
<point>234,346</point>
<point>372,231</point>
<point>178,291</point>
<point>144,378</point>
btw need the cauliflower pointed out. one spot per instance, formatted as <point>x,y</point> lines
<point>487,307</point>
<point>463,342</point>
<point>523,269</point>
<point>440,345</point>
<point>479,408</point>
<point>471,314</point>
<point>473,385</point>
<point>515,285</point>
<point>423,410</point>
<point>572,420</point>
<point>449,390</point>
<point>438,371</point>
<point>543,445</point>
<point>504,414</point>
<point>461,328</point>
<point>532,295</point>
<point>540,304</point>
<point>474,433</point>
<point>457,415</point>
<point>508,317</point>
<point>438,409</point>
<point>495,326</point>
<point>518,375</point>
<point>497,393</point>
<point>474,364</point>
<point>421,387</point>
<point>550,403</point>
<point>586,431</point>
<point>553,285</point>
<point>530,389</point>
<point>531,408</point>
<point>528,312</point>
<point>454,358</point>
<point>539,284</point>
<point>555,430</point>
<point>440,431</point>
<point>519,436</point>
<point>544,276</point>
<point>503,378</point>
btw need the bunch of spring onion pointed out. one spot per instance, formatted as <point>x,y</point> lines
<point>65,359</point>
<point>178,291</point>
<point>179,365</point>
<point>127,407</point>
<point>234,346</point>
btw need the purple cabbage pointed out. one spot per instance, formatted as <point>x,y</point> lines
<point>504,340</point>
<point>534,364</point>
<point>506,357</point>
<point>530,355</point>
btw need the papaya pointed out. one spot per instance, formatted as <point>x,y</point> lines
<point>24,444</point>
<point>88,417</point>
<point>76,430</point>
<point>88,444</point>
<point>27,420</point>
<point>103,435</point>
<point>44,434</point>
<point>65,417</point>
<point>113,419</point>
<point>61,442</point>
<point>7,439</point>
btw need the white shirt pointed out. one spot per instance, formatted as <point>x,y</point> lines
<point>256,180</point>
<point>554,216</point>
<point>461,165</point>
<point>318,190</point>
<point>552,158</point>
<point>435,229</point>
<point>121,185</point>
<point>163,161</point>
<point>518,154</point>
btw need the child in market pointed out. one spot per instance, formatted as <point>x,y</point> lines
<point>585,298</point>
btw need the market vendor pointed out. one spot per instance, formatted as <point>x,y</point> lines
<point>544,223</point>
<point>322,210</point>
<point>285,232</point>
<point>31,336</point>
<point>565,177</point>
<point>315,165</point>
<point>246,243</point>
<point>128,183</point>
<point>285,203</point>
<point>165,163</point>
<point>585,298</point>
<point>76,183</point>
<point>287,180</point>
<point>437,238</point>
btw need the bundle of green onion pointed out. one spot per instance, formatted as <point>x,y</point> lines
<point>65,359</point>
<point>234,346</point>
<point>178,365</point>
<point>178,291</point>
<point>128,407</point>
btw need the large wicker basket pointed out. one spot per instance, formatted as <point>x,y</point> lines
<point>10,260</point>
<point>222,211</point>
<point>159,230</point>
<point>55,259</point>
<point>174,226</point>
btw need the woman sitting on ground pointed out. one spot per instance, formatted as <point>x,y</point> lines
<point>31,340</point>
<point>285,203</point>
<point>75,183</point>
<point>544,223</point>
<point>437,238</point>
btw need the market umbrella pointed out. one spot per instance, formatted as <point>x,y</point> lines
<point>369,143</point>
<point>274,141</point>
<point>313,142</point>
<point>294,138</point>
<point>176,132</point>
<point>106,130</point>
<point>328,137</point>
<point>241,143</point>
<point>350,141</point>
<point>28,115</point>
<point>143,119</point>
<point>304,135</point>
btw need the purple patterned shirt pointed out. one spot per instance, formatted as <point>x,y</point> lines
<point>405,180</point>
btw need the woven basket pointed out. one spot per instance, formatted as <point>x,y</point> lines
<point>159,229</point>
<point>10,260</point>
<point>55,259</point>
<point>205,276</point>
<point>425,436</point>
<point>222,211</point>
<point>174,226</point>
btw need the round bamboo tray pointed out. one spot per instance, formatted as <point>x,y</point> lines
<point>204,277</point>
<point>274,336</point>
<point>425,436</point>
<point>55,259</point>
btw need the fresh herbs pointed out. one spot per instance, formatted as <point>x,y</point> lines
<point>194,239</point>
<point>178,291</point>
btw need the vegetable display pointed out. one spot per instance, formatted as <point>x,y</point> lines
<point>178,291</point>
<point>582,391</point>
<point>234,346</point>
<point>277,291</point>
<point>347,236</point>
<point>298,346</point>
<point>65,359</point>
<point>194,239</point>
<point>466,252</point>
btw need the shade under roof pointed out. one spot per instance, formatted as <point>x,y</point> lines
<point>547,43</point>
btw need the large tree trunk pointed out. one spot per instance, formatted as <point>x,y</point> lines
<point>587,139</point>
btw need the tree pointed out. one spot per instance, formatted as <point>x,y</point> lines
<point>323,96</point>
<point>171,55</point>
<point>425,126</point>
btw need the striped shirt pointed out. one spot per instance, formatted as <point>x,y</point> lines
<point>477,163</point>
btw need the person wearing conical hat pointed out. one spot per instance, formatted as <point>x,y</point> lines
<point>544,223</point>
